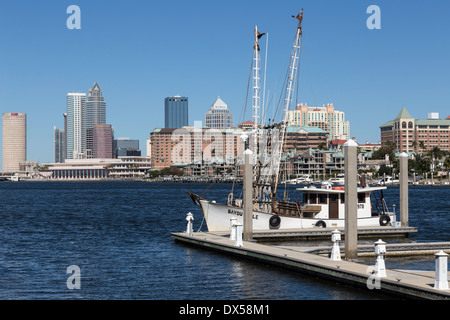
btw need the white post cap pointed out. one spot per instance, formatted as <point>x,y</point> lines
<point>350,143</point>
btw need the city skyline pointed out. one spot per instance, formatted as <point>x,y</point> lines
<point>368,74</point>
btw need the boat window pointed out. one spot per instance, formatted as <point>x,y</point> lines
<point>361,197</point>
<point>323,198</point>
<point>305,198</point>
<point>313,198</point>
<point>342,197</point>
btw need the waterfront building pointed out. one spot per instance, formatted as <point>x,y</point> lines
<point>416,135</point>
<point>14,141</point>
<point>219,116</point>
<point>95,115</point>
<point>325,118</point>
<point>148,144</point>
<point>59,144</point>
<point>248,125</point>
<point>302,139</point>
<point>93,169</point>
<point>76,128</point>
<point>192,144</point>
<point>176,112</point>
<point>126,147</point>
<point>102,141</point>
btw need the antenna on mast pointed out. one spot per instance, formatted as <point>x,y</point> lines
<point>299,17</point>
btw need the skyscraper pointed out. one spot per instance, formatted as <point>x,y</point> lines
<point>102,141</point>
<point>76,126</point>
<point>176,112</point>
<point>14,141</point>
<point>59,145</point>
<point>95,114</point>
<point>219,117</point>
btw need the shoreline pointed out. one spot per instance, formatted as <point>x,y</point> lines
<point>205,180</point>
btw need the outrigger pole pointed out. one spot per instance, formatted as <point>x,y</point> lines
<point>293,66</point>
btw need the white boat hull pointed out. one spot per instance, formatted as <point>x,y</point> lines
<point>217,217</point>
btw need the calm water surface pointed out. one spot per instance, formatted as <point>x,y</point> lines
<point>118,233</point>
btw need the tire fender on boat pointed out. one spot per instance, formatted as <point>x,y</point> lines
<point>274,221</point>
<point>321,224</point>
<point>384,220</point>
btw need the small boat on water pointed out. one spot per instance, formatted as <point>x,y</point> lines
<point>320,207</point>
<point>338,180</point>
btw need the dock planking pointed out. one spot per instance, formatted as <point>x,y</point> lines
<point>405,284</point>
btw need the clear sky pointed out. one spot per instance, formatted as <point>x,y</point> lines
<point>140,52</point>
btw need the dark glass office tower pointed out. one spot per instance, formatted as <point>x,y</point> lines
<point>176,112</point>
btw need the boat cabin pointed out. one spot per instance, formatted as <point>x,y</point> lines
<point>332,202</point>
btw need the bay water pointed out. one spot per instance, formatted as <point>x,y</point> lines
<point>117,234</point>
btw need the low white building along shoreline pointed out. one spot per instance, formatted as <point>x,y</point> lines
<point>95,169</point>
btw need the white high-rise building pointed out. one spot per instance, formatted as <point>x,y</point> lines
<point>14,141</point>
<point>325,118</point>
<point>219,117</point>
<point>76,127</point>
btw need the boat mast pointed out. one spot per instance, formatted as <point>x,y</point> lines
<point>293,66</point>
<point>256,104</point>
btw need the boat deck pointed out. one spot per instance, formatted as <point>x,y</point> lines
<point>402,283</point>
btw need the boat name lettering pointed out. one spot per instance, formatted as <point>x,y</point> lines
<point>360,205</point>
<point>240,213</point>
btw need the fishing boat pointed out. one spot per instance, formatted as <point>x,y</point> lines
<point>320,207</point>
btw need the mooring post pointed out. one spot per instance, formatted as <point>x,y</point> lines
<point>238,235</point>
<point>441,278</point>
<point>404,189</point>
<point>380,267</point>
<point>351,213</point>
<point>248,195</point>
<point>335,251</point>
<point>233,222</point>
<point>189,228</point>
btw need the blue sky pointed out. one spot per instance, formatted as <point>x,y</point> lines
<point>143,51</point>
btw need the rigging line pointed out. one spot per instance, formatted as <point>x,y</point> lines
<point>265,76</point>
<point>298,71</point>
<point>213,183</point>
<point>283,93</point>
<point>244,109</point>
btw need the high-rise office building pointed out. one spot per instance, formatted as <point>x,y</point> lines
<point>76,130</point>
<point>176,112</point>
<point>14,141</point>
<point>59,144</point>
<point>126,147</point>
<point>218,116</point>
<point>102,141</point>
<point>95,114</point>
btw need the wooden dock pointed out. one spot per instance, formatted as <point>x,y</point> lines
<point>405,284</point>
<point>325,233</point>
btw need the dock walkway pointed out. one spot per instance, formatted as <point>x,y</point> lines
<point>325,233</point>
<point>405,284</point>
